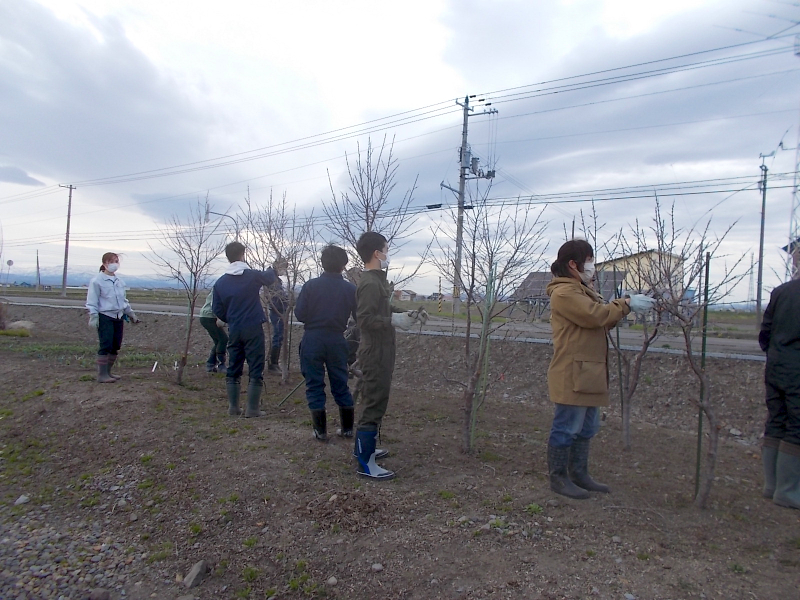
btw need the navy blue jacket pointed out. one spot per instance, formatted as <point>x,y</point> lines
<point>780,335</point>
<point>236,297</point>
<point>326,302</point>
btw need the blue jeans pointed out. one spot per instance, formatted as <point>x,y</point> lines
<point>571,421</point>
<point>321,351</point>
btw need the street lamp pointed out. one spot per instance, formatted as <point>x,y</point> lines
<point>235,222</point>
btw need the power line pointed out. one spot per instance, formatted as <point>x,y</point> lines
<point>431,111</point>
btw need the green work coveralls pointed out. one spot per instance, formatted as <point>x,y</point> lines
<point>376,351</point>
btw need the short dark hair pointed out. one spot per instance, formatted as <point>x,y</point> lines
<point>577,250</point>
<point>234,251</point>
<point>333,259</point>
<point>368,243</point>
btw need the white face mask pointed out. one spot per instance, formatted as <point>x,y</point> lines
<point>112,267</point>
<point>385,261</point>
<point>588,272</point>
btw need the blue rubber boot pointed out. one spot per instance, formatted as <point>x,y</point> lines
<point>365,451</point>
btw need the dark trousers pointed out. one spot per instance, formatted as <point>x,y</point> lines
<point>276,320</point>
<point>110,333</point>
<point>783,408</point>
<point>321,350</point>
<point>246,344</point>
<point>376,359</point>
<point>218,336</point>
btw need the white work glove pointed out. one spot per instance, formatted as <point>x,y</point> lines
<point>403,320</point>
<point>220,323</point>
<point>642,304</point>
<point>94,321</point>
<point>134,319</point>
<point>421,315</point>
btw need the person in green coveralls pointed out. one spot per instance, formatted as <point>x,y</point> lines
<point>376,319</point>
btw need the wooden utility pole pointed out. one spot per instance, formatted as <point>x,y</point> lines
<point>66,241</point>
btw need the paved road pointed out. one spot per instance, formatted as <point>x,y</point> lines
<point>528,330</point>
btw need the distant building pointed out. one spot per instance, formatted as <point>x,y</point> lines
<point>405,295</point>
<point>645,272</point>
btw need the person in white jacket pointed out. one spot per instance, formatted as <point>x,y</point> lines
<point>108,309</point>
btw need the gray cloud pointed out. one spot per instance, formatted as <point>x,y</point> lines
<point>17,175</point>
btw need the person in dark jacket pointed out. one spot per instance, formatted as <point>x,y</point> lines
<point>237,302</point>
<point>324,305</point>
<point>780,451</point>
<point>376,351</point>
<point>278,304</point>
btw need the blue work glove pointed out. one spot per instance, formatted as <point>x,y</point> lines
<point>642,304</point>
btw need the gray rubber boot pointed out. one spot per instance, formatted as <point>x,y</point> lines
<point>787,476</point>
<point>103,375</point>
<point>254,400</point>
<point>560,483</point>
<point>769,456</point>
<point>112,358</point>
<point>319,422</point>
<point>579,467</point>
<point>233,386</point>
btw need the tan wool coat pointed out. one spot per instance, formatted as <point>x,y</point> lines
<point>578,373</point>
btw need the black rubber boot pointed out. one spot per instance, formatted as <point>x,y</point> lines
<point>579,467</point>
<point>560,483</point>
<point>346,418</point>
<point>233,386</point>
<point>319,422</point>
<point>103,376</point>
<point>274,358</point>
<point>254,400</point>
<point>769,456</point>
<point>112,358</point>
<point>787,476</point>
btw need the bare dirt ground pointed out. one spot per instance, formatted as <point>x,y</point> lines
<point>130,484</point>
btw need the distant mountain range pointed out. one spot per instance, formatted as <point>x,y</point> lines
<point>81,276</point>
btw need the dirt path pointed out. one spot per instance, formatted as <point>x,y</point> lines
<point>130,484</point>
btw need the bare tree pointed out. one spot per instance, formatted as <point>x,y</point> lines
<point>502,244</point>
<point>367,205</point>
<point>190,246</point>
<point>275,233</point>
<point>676,275</point>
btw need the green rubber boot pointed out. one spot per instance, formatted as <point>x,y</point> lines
<point>254,400</point>
<point>787,476</point>
<point>233,386</point>
<point>769,456</point>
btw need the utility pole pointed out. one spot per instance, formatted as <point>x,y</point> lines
<point>793,247</point>
<point>763,187</point>
<point>38,273</point>
<point>66,241</point>
<point>466,164</point>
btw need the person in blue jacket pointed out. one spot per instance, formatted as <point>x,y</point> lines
<point>237,302</point>
<point>324,306</point>
<point>278,304</point>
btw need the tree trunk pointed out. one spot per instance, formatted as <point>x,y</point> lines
<point>468,400</point>
<point>185,355</point>
<point>710,463</point>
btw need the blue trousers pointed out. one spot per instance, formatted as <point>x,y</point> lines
<point>276,320</point>
<point>320,351</point>
<point>783,408</point>
<point>571,421</point>
<point>246,344</point>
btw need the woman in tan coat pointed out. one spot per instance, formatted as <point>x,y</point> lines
<point>578,374</point>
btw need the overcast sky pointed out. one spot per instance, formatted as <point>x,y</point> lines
<point>98,88</point>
